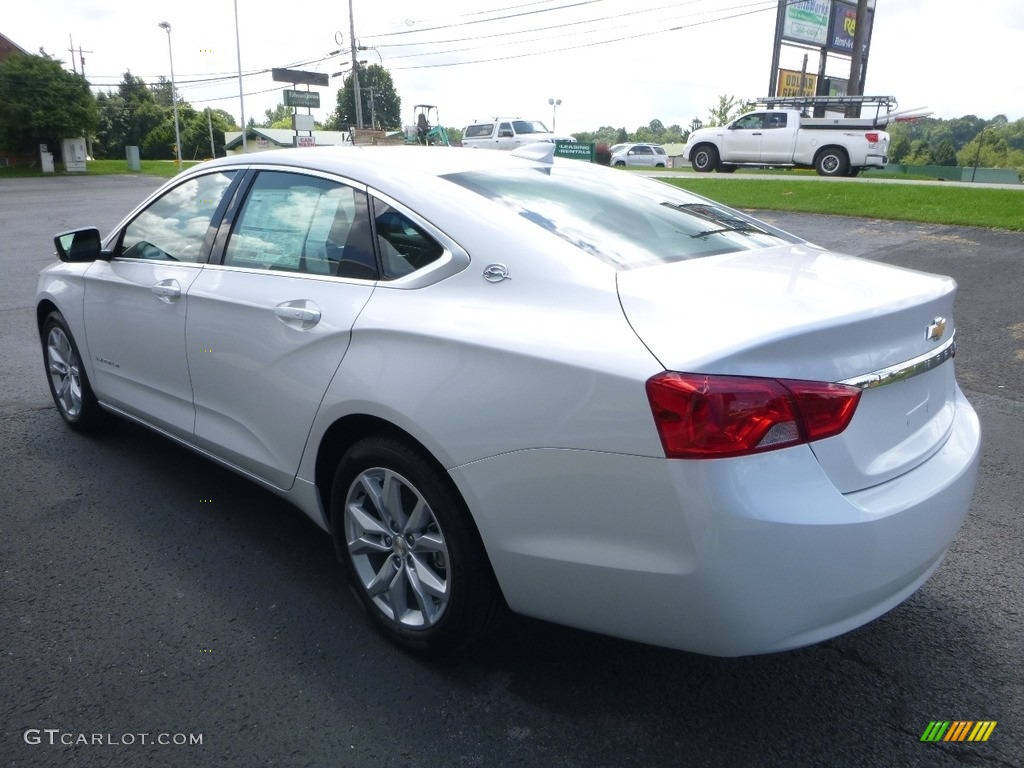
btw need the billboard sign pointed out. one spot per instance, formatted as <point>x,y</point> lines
<point>302,99</point>
<point>299,77</point>
<point>806,22</point>
<point>789,83</point>
<point>844,26</point>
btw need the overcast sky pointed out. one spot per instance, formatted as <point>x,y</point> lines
<point>611,62</point>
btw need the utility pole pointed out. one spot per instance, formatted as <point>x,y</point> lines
<point>209,122</point>
<point>355,66</point>
<point>81,55</point>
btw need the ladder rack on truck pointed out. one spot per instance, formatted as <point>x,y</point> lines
<point>836,103</point>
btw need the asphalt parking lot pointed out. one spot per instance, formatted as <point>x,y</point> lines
<point>148,596</point>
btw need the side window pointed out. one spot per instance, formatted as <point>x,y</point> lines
<point>404,247</point>
<point>644,150</point>
<point>174,227</point>
<point>478,131</point>
<point>505,130</point>
<point>749,123</point>
<point>659,150</point>
<point>304,224</point>
<point>777,120</point>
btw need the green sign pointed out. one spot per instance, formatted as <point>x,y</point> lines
<point>575,149</point>
<point>302,99</point>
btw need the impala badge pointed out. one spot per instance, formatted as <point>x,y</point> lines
<point>936,329</point>
<point>495,273</point>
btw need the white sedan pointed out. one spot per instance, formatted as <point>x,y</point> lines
<point>507,381</point>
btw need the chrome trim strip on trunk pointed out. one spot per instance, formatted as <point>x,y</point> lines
<point>905,370</point>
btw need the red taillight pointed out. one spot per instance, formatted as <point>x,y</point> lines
<point>871,137</point>
<point>702,416</point>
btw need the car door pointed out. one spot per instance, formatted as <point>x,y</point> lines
<point>742,140</point>
<point>777,139</point>
<point>136,306</point>
<point>269,325</point>
<point>641,155</point>
<point>506,138</point>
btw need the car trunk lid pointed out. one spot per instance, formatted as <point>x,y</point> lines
<point>797,312</point>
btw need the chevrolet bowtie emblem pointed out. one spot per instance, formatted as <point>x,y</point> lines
<point>936,329</point>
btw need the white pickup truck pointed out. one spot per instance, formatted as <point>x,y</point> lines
<point>508,133</point>
<point>834,146</point>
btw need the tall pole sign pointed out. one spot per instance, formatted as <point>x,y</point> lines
<point>830,27</point>
<point>307,98</point>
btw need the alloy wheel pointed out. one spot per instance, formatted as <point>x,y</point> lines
<point>397,548</point>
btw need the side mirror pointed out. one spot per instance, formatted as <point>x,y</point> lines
<point>78,245</point>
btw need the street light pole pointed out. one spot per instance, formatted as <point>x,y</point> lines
<point>554,111</point>
<point>241,96</point>
<point>174,95</point>
<point>355,67</point>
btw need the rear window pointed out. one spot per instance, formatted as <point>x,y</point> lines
<point>476,131</point>
<point>529,126</point>
<point>631,223</point>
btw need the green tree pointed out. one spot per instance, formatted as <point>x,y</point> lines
<point>134,89</point>
<point>195,132</point>
<point>606,134</point>
<point>990,149</point>
<point>943,153</point>
<point>278,117</point>
<point>126,118</point>
<point>899,142</point>
<point>386,106</point>
<point>727,109</point>
<point>920,153</point>
<point>42,103</point>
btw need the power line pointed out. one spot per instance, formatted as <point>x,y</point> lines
<point>622,39</point>
<point>541,29</point>
<point>494,18</point>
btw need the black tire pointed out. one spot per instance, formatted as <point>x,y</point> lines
<point>704,158</point>
<point>660,165</point>
<point>619,164</point>
<point>726,168</point>
<point>832,161</point>
<point>410,549</point>
<point>854,172</point>
<point>69,384</point>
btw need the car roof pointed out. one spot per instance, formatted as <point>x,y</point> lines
<point>377,165</point>
<point>636,144</point>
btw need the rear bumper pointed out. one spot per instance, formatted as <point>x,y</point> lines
<point>727,558</point>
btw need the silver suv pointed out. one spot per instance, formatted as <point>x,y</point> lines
<point>641,155</point>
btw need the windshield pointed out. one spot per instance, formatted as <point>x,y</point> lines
<point>632,223</point>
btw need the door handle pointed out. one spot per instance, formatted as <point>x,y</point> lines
<point>167,290</point>
<point>301,314</point>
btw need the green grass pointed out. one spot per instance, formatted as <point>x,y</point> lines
<point>991,208</point>
<point>165,168</point>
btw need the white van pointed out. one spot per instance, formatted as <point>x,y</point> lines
<point>507,133</point>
